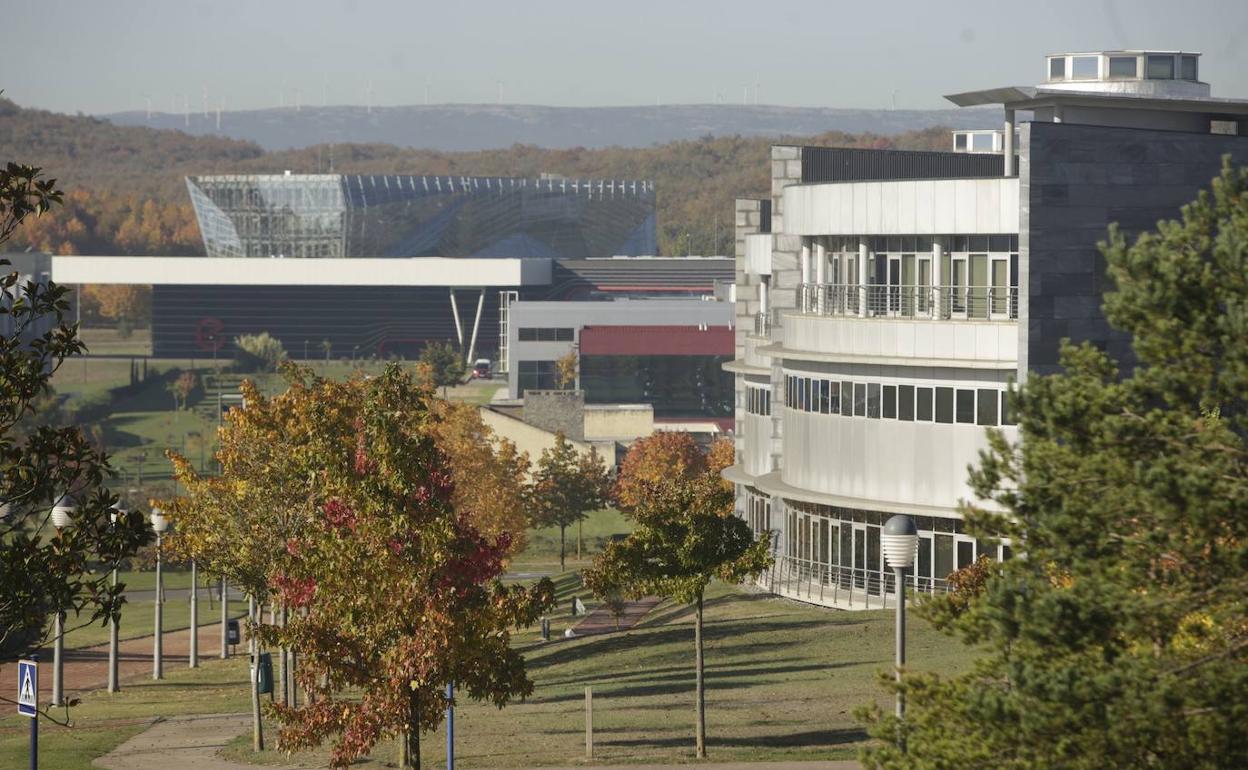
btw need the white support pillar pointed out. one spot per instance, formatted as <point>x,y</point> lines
<point>862,277</point>
<point>762,296</point>
<point>938,275</point>
<point>821,274</point>
<point>476,324</point>
<point>1008,144</point>
<point>459,329</point>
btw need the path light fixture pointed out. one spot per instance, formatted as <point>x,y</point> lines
<point>159,525</point>
<point>63,511</point>
<point>116,514</point>
<point>900,539</point>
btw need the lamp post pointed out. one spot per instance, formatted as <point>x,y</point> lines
<point>900,539</point>
<point>159,525</point>
<point>62,518</point>
<point>116,513</point>
<point>194,656</point>
<point>225,619</point>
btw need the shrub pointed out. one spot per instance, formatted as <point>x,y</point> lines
<point>258,352</point>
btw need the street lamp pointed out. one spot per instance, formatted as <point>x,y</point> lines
<point>900,539</point>
<point>159,525</point>
<point>114,515</point>
<point>63,511</point>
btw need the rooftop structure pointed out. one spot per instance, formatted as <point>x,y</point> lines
<point>332,215</point>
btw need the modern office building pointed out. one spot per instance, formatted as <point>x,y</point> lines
<point>886,300</point>
<point>668,353</point>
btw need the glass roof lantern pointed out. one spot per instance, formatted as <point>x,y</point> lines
<point>1155,73</point>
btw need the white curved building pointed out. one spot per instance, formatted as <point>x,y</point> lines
<point>886,299</point>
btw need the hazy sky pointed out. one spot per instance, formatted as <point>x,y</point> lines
<point>99,56</point>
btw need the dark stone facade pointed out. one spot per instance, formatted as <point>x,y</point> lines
<point>1075,180</point>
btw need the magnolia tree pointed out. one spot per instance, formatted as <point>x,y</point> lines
<point>393,584</point>
<point>684,536</point>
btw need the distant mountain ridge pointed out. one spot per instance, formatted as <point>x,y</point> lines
<point>467,127</point>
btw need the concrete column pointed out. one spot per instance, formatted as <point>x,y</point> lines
<point>803,264</point>
<point>938,275</point>
<point>1009,142</point>
<point>821,273</point>
<point>862,277</point>
<point>762,295</point>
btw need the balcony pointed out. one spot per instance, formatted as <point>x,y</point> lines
<point>938,303</point>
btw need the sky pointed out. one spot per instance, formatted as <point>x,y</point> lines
<point>101,56</point>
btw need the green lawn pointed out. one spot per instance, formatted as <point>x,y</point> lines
<point>138,618</point>
<point>103,721</point>
<point>783,680</point>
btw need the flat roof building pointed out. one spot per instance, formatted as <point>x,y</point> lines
<point>886,300</point>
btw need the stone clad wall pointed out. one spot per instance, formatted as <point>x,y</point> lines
<point>1075,180</point>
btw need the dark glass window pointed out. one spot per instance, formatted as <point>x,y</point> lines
<point>528,334</point>
<point>986,407</point>
<point>890,402</point>
<point>1122,67</point>
<point>536,375</point>
<point>966,553</point>
<point>944,405</point>
<point>803,393</point>
<point>1084,67</point>
<point>923,407</point>
<point>944,556</point>
<point>873,549</point>
<point>1057,68</point>
<point>676,386</point>
<point>966,406</point>
<point>847,398</point>
<point>860,399</point>
<point>1160,68</point>
<point>999,243</point>
<point>873,400</point>
<point>1007,408</point>
<point>834,398</point>
<point>905,402</point>
<point>546,334</point>
<point>1188,65</point>
<point>825,396</point>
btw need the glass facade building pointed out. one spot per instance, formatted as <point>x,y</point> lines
<point>333,215</point>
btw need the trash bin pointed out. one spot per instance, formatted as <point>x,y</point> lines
<point>232,635</point>
<point>264,682</point>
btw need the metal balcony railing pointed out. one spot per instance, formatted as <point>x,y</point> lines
<point>762,324</point>
<point>978,303</point>
<point>841,586</point>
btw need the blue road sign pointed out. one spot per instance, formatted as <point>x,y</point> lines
<point>27,688</point>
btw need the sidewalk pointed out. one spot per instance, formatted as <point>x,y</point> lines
<point>187,743</point>
<point>86,669</point>
<point>601,621</point>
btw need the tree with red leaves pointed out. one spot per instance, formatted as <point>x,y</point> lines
<point>395,592</point>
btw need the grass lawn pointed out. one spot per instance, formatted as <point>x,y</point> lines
<point>783,680</point>
<point>542,551</point>
<point>138,618</point>
<point>103,721</point>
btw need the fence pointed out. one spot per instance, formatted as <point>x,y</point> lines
<point>977,303</point>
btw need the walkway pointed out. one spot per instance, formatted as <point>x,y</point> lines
<point>86,669</point>
<point>602,621</point>
<point>187,743</point>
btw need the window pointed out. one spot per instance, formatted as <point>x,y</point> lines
<point>959,141</point>
<point>966,553</point>
<point>986,407</point>
<point>873,400</point>
<point>890,402</point>
<point>1057,68</point>
<point>982,142</point>
<point>944,405</point>
<point>905,402</point>
<point>923,410</point>
<point>825,396</point>
<point>543,334</point>
<point>536,375</point>
<point>1187,68</point>
<point>944,556</point>
<point>803,393</point>
<point>1007,408</point>
<point>860,399</point>
<point>1160,68</point>
<point>1122,68</point>
<point>966,406</point>
<point>1085,67</point>
<point>847,398</point>
<point>834,397</point>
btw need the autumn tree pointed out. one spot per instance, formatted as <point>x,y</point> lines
<point>39,462</point>
<point>1117,636</point>
<point>441,364</point>
<point>182,388</point>
<point>259,352</point>
<point>126,304</point>
<point>684,535</point>
<point>653,460</point>
<point>566,369</point>
<point>495,499</point>
<point>567,485</point>
<point>398,593</point>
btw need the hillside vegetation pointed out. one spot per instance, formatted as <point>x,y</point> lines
<point>128,195</point>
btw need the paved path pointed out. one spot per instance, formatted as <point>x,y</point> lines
<point>185,743</point>
<point>86,669</point>
<point>601,621</point>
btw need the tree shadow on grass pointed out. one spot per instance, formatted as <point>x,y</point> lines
<point>805,739</point>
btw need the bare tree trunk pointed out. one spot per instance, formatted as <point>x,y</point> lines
<point>282,672</point>
<point>562,530</point>
<point>700,739</point>
<point>257,729</point>
<point>409,749</point>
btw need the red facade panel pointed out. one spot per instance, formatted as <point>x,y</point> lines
<point>657,341</point>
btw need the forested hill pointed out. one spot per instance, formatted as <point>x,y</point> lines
<point>127,194</point>
<point>460,127</point>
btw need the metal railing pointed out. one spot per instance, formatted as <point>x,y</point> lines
<point>978,303</point>
<point>762,324</point>
<point>841,586</point>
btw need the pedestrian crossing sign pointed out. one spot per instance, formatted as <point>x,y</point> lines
<point>28,688</point>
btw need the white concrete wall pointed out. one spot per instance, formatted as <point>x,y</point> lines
<point>758,254</point>
<point>757,451</point>
<point>922,207</point>
<point>752,356</point>
<point>888,460</point>
<point>984,342</point>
